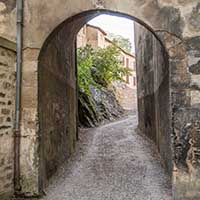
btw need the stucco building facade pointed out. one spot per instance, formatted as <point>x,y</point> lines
<point>97,38</point>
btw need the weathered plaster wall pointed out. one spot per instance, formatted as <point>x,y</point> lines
<point>39,85</point>
<point>58,99</point>
<point>153,92</point>
<point>176,22</point>
<point>170,15</point>
<point>7,95</point>
<point>8,19</point>
<point>7,102</point>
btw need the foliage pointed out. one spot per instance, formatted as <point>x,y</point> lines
<point>107,66</point>
<point>120,41</point>
<point>99,67</point>
<point>85,63</point>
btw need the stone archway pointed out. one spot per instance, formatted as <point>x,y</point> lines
<point>167,22</point>
<point>58,101</point>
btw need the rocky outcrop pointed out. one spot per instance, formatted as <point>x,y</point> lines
<point>87,111</point>
<point>98,108</point>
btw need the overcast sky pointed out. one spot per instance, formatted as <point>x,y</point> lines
<point>116,25</point>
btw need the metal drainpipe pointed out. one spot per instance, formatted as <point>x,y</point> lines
<point>76,74</point>
<point>17,185</point>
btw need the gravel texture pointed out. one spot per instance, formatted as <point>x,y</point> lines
<point>112,162</point>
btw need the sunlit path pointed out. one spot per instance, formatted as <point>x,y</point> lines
<point>112,162</point>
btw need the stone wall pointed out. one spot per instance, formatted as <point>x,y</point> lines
<point>39,84</point>
<point>7,102</point>
<point>153,91</point>
<point>177,24</point>
<point>8,19</point>
<point>57,102</point>
<point>186,114</point>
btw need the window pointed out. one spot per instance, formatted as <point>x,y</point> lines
<point>127,79</point>
<point>127,62</point>
<point>134,81</point>
<point>134,66</point>
<point>123,60</point>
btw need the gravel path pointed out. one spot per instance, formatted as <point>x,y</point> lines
<point>112,162</point>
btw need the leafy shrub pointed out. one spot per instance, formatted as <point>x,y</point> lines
<point>85,63</point>
<point>107,66</point>
<point>99,67</point>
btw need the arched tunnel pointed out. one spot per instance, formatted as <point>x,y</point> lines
<point>38,93</point>
<point>57,87</point>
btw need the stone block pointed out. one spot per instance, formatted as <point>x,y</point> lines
<point>195,98</point>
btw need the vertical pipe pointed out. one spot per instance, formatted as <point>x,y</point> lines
<point>77,95</point>
<point>17,186</point>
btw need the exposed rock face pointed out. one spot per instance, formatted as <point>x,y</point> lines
<point>102,106</point>
<point>107,105</point>
<point>87,111</point>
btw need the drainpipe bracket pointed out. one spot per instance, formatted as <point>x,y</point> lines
<point>17,133</point>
